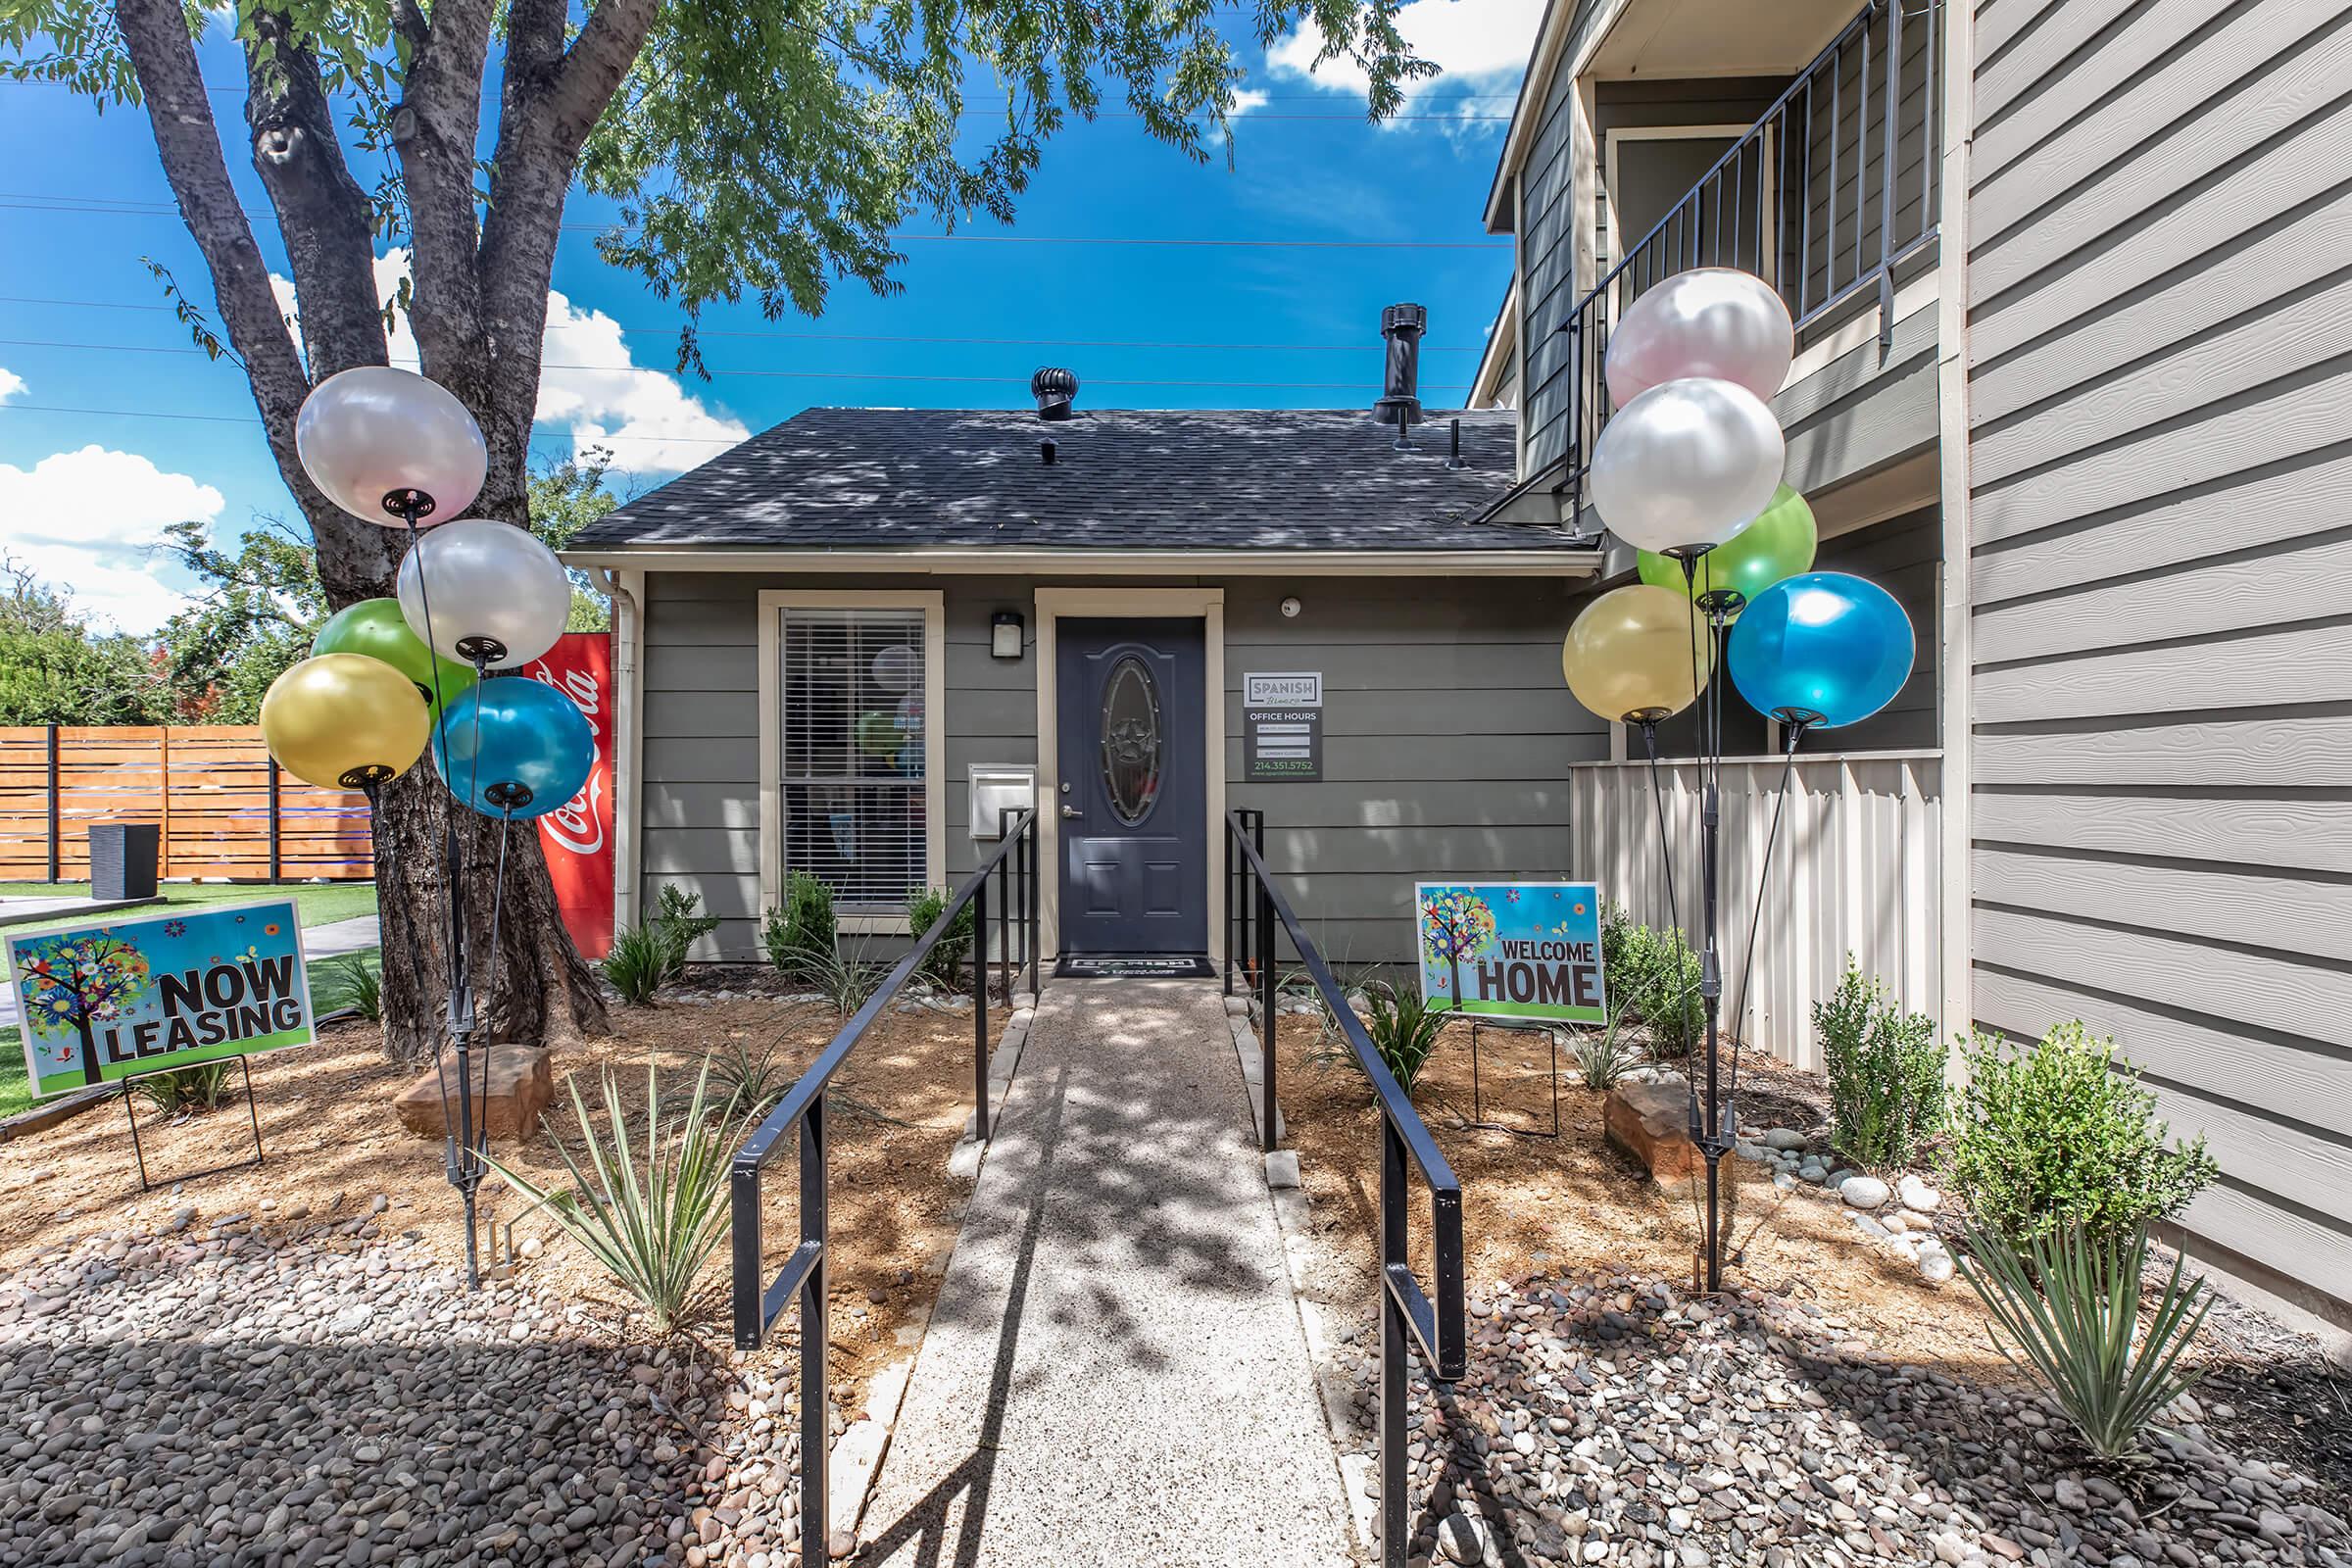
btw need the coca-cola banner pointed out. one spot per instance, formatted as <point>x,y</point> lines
<point>578,835</point>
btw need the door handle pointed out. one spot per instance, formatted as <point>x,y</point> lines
<point>1069,811</point>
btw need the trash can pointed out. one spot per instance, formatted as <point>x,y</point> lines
<point>123,858</point>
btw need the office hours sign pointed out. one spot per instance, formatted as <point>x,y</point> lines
<point>1281,727</point>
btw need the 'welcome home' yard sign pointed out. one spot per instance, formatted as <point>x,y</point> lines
<point>1511,950</point>
<point>114,1001</point>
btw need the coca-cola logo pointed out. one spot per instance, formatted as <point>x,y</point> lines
<point>578,825</point>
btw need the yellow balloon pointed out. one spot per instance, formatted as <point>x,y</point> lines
<point>344,721</point>
<point>1638,649</point>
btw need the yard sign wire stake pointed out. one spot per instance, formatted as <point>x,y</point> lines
<point>251,1110</point>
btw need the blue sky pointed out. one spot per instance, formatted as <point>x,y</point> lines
<point>84,494</point>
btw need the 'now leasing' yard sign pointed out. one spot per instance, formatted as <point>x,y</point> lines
<point>1511,950</point>
<point>106,1002</point>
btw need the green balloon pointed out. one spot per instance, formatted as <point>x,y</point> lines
<point>1778,544</point>
<point>376,629</point>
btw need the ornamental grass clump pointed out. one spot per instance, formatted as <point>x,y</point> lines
<point>2066,1309</point>
<point>652,1210</point>
<point>2058,1134</point>
<point>1885,1069</point>
<point>636,964</point>
<point>1404,1031</point>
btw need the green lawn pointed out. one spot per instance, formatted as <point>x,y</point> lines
<point>320,903</point>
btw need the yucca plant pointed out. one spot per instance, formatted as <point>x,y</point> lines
<point>2066,1309</point>
<point>751,1076</point>
<point>1605,1056</point>
<point>638,964</point>
<point>847,980</point>
<point>355,981</point>
<point>663,1204</point>
<point>1405,1031</point>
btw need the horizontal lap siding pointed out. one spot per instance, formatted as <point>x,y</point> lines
<point>1447,740</point>
<point>2160,377</point>
<point>700,716</point>
<point>1449,736</point>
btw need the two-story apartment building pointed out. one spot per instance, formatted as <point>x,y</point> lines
<point>2074,304</point>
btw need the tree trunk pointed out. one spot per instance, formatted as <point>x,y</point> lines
<point>536,982</point>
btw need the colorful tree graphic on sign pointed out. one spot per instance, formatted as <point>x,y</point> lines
<point>78,979</point>
<point>1455,924</point>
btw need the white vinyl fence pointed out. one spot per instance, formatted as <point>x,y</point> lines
<point>1858,869</point>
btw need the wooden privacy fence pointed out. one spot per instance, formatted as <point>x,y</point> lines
<point>1857,871</point>
<point>224,808</point>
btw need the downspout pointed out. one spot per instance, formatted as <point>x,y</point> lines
<point>629,622</point>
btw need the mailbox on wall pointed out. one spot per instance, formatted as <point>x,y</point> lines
<point>999,787</point>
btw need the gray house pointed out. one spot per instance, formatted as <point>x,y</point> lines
<point>2074,354</point>
<point>852,627</point>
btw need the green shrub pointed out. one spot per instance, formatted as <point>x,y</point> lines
<point>944,966</point>
<point>638,964</point>
<point>186,1089</point>
<point>2066,1307</point>
<point>1886,1070</point>
<point>652,1228</point>
<point>2059,1134</point>
<point>678,927</point>
<point>1404,1031</point>
<point>799,933</point>
<point>355,981</point>
<point>1652,977</point>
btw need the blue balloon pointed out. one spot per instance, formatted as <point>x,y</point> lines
<point>1823,644</point>
<point>514,748</point>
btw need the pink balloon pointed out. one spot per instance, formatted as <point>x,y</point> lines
<point>1713,321</point>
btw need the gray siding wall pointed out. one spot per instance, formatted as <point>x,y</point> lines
<point>1447,735</point>
<point>2160,373</point>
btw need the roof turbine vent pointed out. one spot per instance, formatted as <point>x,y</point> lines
<point>1054,389</point>
<point>1401,400</point>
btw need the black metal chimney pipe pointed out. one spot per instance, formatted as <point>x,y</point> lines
<point>1401,401</point>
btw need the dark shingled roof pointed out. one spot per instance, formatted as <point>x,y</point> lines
<point>1123,479</point>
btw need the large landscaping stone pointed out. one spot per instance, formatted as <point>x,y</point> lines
<point>1651,1122</point>
<point>521,1086</point>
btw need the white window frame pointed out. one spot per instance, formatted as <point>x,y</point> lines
<point>774,601</point>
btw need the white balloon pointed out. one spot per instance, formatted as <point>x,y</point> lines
<point>475,583</point>
<point>1712,320</point>
<point>1689,462</point>
<point>366,432</point>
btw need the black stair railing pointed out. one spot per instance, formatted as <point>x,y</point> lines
<point>1435,1319</point>
<point>758,1303</point>
<point>1829,196</point>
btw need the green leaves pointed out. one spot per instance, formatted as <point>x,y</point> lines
<point>2066,1307</point>
<point>1404,1031</point>
<point>2059,1134</point>
<point>651,1213</point>
<point>1886,1070</point>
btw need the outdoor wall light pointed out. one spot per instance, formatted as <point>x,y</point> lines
<point>1004,634</point>
<point>1291,609</point>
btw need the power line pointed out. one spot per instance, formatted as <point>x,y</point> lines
<point>31,203</point>
<point>835,337</point>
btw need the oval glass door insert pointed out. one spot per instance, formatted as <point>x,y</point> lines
<point>1131,739</point>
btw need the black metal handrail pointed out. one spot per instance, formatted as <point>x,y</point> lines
<point>1435,1322</point>
<point>1757,207</point>
<point>1013,862</point>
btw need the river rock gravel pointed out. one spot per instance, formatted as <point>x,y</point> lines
<point>217,1394</point>
<point>1613,1421</point>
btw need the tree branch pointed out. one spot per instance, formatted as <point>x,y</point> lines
<point>434,131</point>
<point>322,215</point>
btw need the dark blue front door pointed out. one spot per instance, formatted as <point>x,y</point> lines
<point>1134,787</point>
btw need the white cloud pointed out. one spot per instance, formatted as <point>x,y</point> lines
<point>11,384</point>
<point>1247,99</point>
<point>87,522</point>
<point>589,382</point>
<point>1479,46</point>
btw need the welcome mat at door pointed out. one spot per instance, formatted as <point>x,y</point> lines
<point>1134,967</point>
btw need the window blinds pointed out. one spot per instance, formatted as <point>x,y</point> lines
<point>853,763</point>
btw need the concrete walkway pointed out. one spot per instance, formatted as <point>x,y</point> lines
<point>1115,1372</point>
